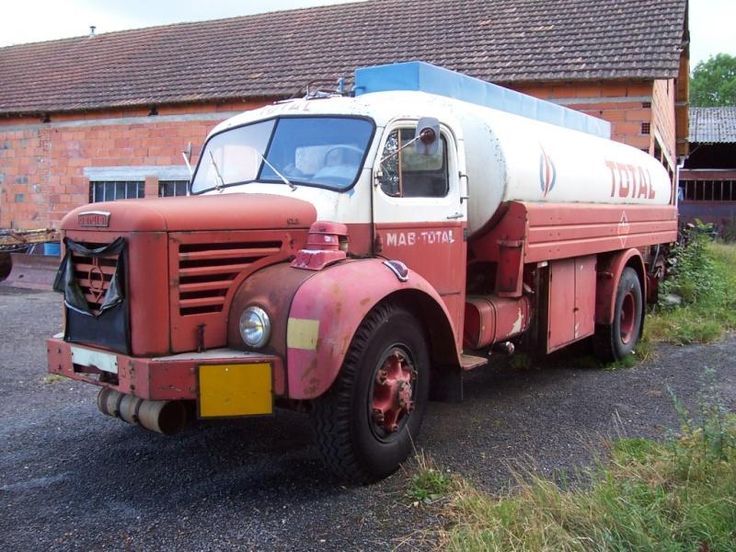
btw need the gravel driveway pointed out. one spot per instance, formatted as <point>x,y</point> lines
<point>71,478</point>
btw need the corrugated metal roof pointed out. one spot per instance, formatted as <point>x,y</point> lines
<point>276,54</point>
<point>712,125</point>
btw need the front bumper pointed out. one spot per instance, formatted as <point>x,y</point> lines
<point>167,378</point>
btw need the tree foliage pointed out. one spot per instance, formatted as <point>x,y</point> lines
<point>713,82</point>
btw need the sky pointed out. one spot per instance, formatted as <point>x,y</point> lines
<point>711,21</point>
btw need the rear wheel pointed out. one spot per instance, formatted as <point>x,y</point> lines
<point>615,341</point>
<point>365,424</point>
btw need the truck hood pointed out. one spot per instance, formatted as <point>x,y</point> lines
<point>177,214</point>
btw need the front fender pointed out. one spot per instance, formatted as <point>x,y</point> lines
<point>326,312</point>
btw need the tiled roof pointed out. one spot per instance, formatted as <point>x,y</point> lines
<point>711,125</point>
<point>276,54</point>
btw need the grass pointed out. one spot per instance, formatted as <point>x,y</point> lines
<point>428,483</point>
<point>53,378</point>
<point>675,495</point>
<point>704,277</point>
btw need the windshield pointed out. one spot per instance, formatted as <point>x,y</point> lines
<point>315,151</point>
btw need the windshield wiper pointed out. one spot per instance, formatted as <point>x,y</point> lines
<point>221,182</point>
<point>281,176</point>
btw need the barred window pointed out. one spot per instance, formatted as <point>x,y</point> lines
<point>170,188</point>
<point>110,190</point>
<point>708,190</point>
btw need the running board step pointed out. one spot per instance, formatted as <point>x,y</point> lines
<point>470,362</point>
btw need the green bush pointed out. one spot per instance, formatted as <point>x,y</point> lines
<point>704,277</point>
<point>693,276</point>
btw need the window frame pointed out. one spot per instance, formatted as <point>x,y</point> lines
<point>422,210</point>
<point>444,168</point>
<point>177,184</point>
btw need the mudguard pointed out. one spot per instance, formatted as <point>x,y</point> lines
<point>326,312</point>
<point>609,273</point>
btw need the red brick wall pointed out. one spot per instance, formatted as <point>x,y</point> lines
<point>42,164</point>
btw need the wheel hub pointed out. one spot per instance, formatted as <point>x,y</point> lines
<point>393,391</point>
<point>628,318</point>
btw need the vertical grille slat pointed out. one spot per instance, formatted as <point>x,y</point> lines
<point>206,272</point>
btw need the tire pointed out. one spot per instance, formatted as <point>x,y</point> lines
<point>6,265</point>
<point>616,341</point>
<point>357,443</point>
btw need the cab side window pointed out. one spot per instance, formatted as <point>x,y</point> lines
<point>408,173</point>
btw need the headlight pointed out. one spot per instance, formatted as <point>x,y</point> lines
<point>255,327</point>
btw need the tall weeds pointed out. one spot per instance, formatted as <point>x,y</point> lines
<point>704,277</point>
<point>675,495</point>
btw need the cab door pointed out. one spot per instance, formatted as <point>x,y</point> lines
<point>419,212</point>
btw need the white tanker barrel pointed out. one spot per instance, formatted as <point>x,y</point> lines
<point>515,158</point>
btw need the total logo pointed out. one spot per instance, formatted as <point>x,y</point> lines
<point>547,173</point>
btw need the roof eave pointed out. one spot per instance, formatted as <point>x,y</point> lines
<point>148,103</point>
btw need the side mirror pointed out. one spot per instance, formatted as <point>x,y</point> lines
<point>427,136</point>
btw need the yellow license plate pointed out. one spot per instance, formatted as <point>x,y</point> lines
<point>227,390</point>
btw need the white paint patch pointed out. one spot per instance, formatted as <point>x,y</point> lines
<point>516,328</point>
<point>102,361</point>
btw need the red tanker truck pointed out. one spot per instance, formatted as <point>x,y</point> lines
<point>352,256</point>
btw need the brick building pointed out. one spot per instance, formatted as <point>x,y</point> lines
<point>108,116</point>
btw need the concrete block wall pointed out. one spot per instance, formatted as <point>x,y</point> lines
<point>43,165</point>
<point>628,106</point>
<point>663,117</point>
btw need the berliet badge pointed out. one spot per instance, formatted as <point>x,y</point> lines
<point>94,219</point>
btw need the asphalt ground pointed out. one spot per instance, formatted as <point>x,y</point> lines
<point>73,479</point>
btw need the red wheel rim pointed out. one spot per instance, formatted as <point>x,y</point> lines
<point>392,395</point>
<point>627,321</point>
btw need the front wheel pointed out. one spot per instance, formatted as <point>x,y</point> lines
<point>616,341</point>
<point>365,424</point>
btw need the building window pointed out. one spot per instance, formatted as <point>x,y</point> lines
<point>708,190</point>
<point>170,188</point>
<point>646,128</point>
<point>110,190</point>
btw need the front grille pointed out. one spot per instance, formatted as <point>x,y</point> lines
<point>207,271</point>
<point>93,275</point>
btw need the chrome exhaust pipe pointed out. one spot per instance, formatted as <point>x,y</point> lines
<point>167,417</point>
